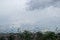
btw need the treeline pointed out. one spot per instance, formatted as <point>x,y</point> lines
<point>26,35</point>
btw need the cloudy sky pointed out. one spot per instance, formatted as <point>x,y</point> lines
<point>30,13</point>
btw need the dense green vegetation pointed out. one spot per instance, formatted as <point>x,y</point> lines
<point>26,35</point>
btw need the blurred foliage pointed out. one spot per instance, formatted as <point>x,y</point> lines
<point>2,38</point>
<point>11,37</point>
<point>27,35</point>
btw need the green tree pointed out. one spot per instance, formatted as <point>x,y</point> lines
<point>27,35</point>
<point>39,35</point>
<point>11,37</point>
<point>49,36</point>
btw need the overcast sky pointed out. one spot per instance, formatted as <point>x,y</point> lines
<point>43,12</point>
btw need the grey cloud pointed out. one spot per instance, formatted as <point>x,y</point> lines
<point>11,13</point>
<point>41,4</point>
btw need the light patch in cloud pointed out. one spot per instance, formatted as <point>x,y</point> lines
<point>48,18</point>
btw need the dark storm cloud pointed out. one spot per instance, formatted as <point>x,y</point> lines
<point>41,4</point>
